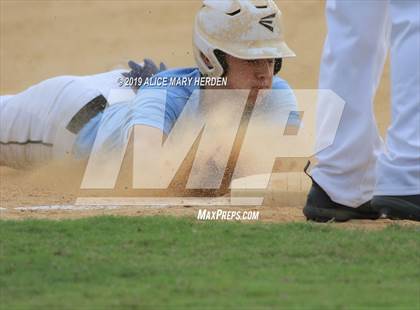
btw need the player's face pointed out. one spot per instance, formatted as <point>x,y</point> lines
<point>249,74</point>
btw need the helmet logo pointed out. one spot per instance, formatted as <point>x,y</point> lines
<point>268,21</point>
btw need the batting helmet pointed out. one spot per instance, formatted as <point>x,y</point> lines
<point>246,29</point>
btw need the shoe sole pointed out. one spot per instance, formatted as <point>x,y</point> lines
<point>324,215</point>
<point>396,208</point>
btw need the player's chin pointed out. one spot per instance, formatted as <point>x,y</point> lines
<point>261,87</point>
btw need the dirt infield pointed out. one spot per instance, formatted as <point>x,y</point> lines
<point>36,195</point>
<point>42,39</point>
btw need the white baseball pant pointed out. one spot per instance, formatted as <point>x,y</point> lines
<point>358,165</point>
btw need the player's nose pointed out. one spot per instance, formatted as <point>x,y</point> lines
<point>264,69</point>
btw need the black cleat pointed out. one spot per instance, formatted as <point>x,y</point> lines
<point>320,208</point>
<point>398,207</point>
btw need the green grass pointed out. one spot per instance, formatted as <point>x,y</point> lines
<point>159,262</point>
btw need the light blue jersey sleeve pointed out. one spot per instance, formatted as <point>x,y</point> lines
<point>155,106</point>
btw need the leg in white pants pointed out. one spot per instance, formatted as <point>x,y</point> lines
<point>353,58</point>
<point>398,169</point>
<point>354,55</point>
<point>33,122</point>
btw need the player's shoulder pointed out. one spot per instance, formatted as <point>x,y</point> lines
<point>279,83</point>
<point>280,97</point>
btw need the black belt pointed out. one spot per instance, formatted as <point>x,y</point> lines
<point>85,114</point>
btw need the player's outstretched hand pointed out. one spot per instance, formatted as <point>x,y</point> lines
<point>147,70</point>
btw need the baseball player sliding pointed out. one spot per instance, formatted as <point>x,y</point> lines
<point>61,116</point>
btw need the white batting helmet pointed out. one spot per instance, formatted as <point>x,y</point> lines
<point>246,29</point>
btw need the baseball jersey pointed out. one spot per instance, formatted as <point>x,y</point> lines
<point>160,107</point>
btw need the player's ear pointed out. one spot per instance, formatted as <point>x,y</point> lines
<point>277,65</point>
